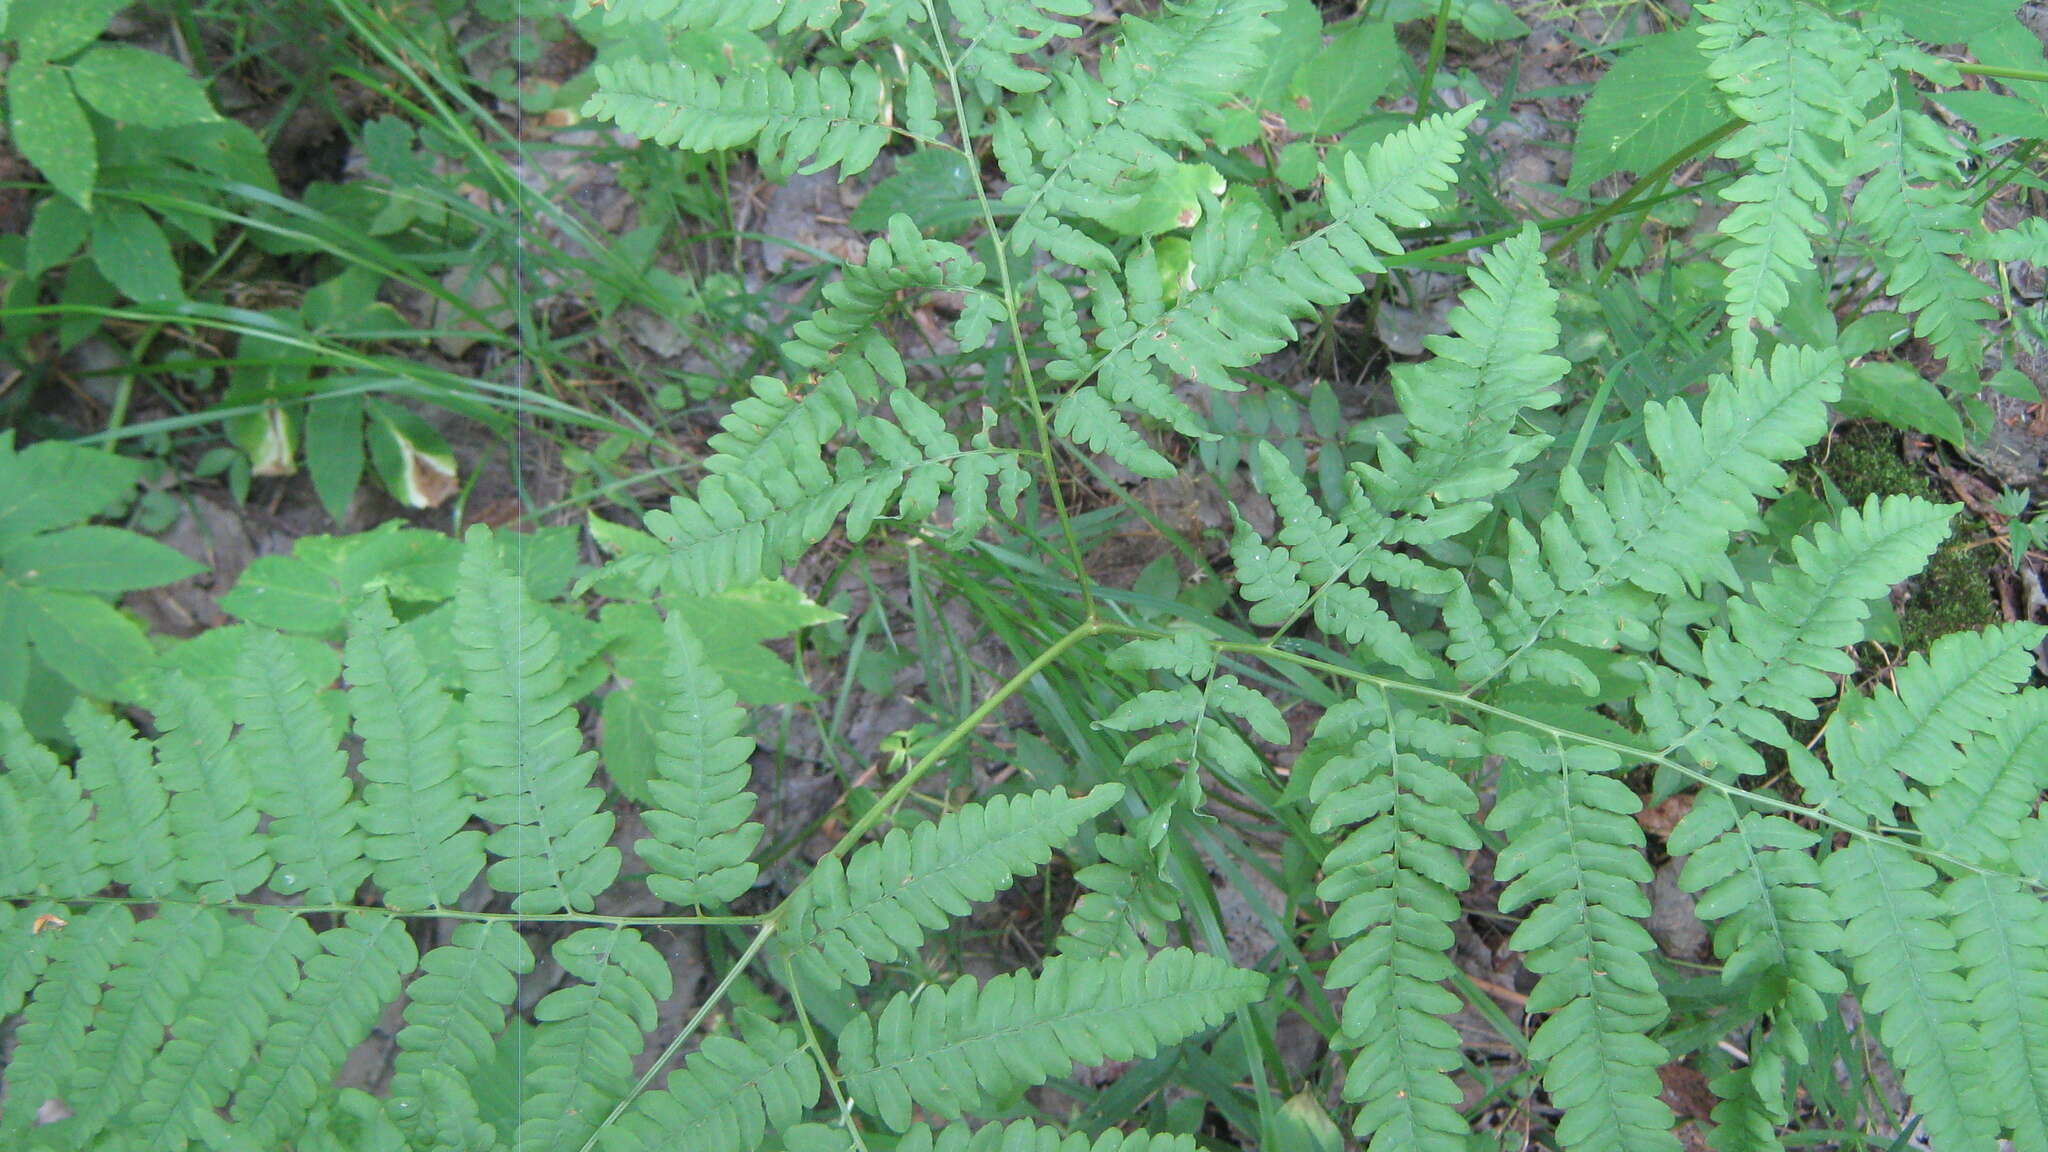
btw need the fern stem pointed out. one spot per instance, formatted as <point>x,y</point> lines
<point>436,913</point>
<point>1633,753</point>
<point>1016,325</point>
<point>830,1074</point>
<point>1998,73</point>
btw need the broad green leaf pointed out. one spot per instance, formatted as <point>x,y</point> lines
<point>1944,21</point>
<point>411,458</point>
<point>53,29</point>
<point>1299,33</point>
<point>1655,100</point>
<point>1337,86</point>
<point>211,658</point>
<point>1998,115</point>
<point>94,559</point>
<point>92,646</point>
<point>95,484</point>
<point>139,87</point>
<point>50,129</point>
<point>1171,199</point>
<point>56,233</point>
<point>1898,395</point>
<point>288,594</point>
<point>133,254</point>
<point>334,451</point>
<point>934,188</point>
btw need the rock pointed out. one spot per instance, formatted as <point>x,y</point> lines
<point>1674,921</point>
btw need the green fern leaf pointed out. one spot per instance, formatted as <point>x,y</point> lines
<point>44,818</point>
<point>700,836</point>
<point>453,1010</point>
<point>332,1010</point>
<point>1123,902</point>
<point>51,1038</point>
<point>1017,1136</point>
<point>213,813</point>
<point>165,960</point>
<point>996,31</point>
<point>1979,813</point>
<point>1907,962</point>
<point>25,944</point>
<point>522,745</point>
<point>414,807</point>
<point>1396,876</point>
<point>2002,941</point>
<point>580,1063</point>
<point>1961,686</point>
<point>129,826</point>
<point>1798,78</point>
<point>291,741</point>
<point>215,1039</point>
<point>805,121</point>
<point>877,907</point>
<point>1574,847</point>
<point>969,1044</point>
<point>728,1095</point>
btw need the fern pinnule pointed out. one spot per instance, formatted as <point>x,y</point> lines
<point>2001,930</point>
<point>51,1038</point>
<point>729,1094</point>
<point>291,741</point>
<point>45,819</point>
<point>169,954</point>
<point>1396,875</point>
<point>1123,903</point>
<point>118,768</point>
<point>807,121</point>
<point>454,1009</point>
<point>580,1063</point>
<point>331,1010</point>
<point>415,809</point>
<point>877,907</point>
<point>971,1044</point>
<point>700,837</point>
<point>1016,1136</point>
<point>1908,961</point>
<point>213,816</point>
<point>2000,774</point>
<point>1575,851</point>
<point>522,746</point>
<point>997,31</point>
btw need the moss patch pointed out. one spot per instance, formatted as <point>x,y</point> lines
<point>1954,593</point>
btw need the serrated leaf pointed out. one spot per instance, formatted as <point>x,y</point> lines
<point>139,87</point>
<point>93,647</point>
<point>1897,394</point>
<point>50,128</point>
<point>1655,100</point>
<point>94,558</point>
<point>133,254</point>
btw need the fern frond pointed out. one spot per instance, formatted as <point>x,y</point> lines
<point>213,813</point>
<point>1783,645</point>
<point>1919,210</point>
<point>1575,851</point>
<point>1123,902</point>
<point>1076,152</point>
<point>1088,419</point>
<point>45,820</point>
<point>522,745</point>
<point>877,907</point>
<point>806,121</point>
<point>580,1063</point>
<point>2001,933</point>
<point>291,741</point>
<point>997,31</point>
<point>1464,403</point>
<point>332,1010</point>
<point>1396,876</point>
<point>414,806</point>
<point>1962,685</point>
<point>129,801</point>
<point>1908,962</point>
<point>952,1049</point>
<point>218,1028</point>
<point>700,836</point>
<point>785,15</point>
<point>728,1095</point>
<point>1754,875</point>
<point>1232,322</point>
<point>1799,78</point>
<point>1197,729</point>
<point>1978,814</point>
<point>51,1038</point>
<point>454,1009</point>
<point>165,960</point>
